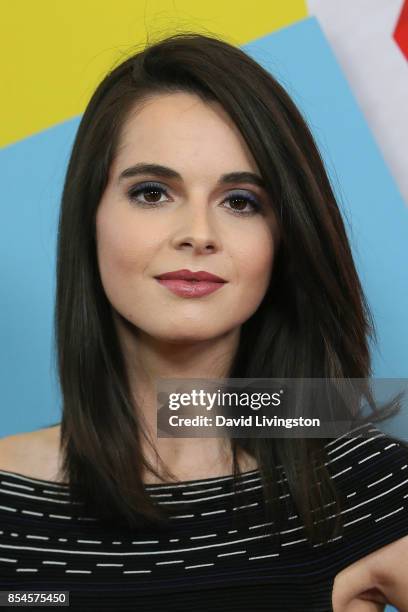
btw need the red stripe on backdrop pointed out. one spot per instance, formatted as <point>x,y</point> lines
<point>401,30</point>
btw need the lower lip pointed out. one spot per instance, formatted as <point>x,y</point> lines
<point>186,288</point>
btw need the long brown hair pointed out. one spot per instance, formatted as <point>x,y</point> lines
<point>314,320</point>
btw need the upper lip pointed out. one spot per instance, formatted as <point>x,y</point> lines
<point>184,274</point>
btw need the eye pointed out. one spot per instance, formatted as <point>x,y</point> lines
<point>152,189</point>
<point>246,199</point>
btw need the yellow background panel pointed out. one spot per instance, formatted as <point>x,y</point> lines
<point>55,52</point>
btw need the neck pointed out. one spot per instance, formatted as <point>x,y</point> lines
<point>148,358</point>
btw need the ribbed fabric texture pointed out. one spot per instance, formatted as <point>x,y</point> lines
<point>205,559</point>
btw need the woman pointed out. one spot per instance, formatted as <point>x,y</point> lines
<point>190,156</point>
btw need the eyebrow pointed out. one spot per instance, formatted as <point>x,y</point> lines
<point>169,173</point>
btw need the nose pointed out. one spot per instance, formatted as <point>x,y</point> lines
<point>196,229</point>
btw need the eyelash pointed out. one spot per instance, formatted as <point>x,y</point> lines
<point>144,187</point>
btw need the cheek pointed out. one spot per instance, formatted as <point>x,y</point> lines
<point>122,253</point>
<point>255,263</point>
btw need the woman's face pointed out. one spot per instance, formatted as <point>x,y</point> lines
<point>188,219</point>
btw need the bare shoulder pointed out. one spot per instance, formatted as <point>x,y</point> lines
<point>34,453</point>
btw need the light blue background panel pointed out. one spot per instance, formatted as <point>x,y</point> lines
<point>32,172</point>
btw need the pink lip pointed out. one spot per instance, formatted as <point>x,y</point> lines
<point>199,275</point>
<point>186,288</point>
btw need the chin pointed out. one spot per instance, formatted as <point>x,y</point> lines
<point>185,336</point>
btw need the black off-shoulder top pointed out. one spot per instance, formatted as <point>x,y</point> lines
<point>202,560</point>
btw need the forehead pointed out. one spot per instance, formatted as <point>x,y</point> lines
<point>181,129</point>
